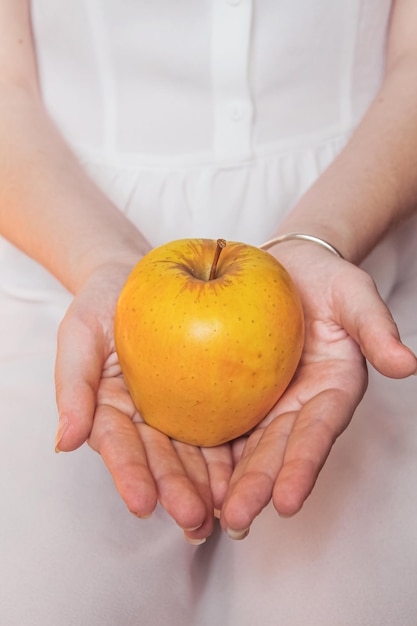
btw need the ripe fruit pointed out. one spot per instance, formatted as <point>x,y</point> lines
<point>208,337</point>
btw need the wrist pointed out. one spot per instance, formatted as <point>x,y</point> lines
<point>125,255</point>
<point>118,249</point>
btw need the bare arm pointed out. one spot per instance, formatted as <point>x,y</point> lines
<point>372,185</point>
<point>49,208</point>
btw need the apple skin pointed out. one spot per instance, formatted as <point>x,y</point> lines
<point>205,360</point>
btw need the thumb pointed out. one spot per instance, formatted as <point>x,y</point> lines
<point>78,368</point>
<point>372,326</point>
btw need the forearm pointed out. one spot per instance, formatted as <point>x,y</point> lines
<point>372,184</point>
<point>49,207</point>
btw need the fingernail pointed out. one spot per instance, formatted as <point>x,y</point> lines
<point>195,542</point>
<point>217,513</point>
<point>238,535</point>
<point>139,516</point>
<point>62,427</point>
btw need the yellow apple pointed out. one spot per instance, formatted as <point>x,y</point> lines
<point>208,336</point>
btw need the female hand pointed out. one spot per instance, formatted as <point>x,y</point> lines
<point>95,406</point>
<point>346,323</point>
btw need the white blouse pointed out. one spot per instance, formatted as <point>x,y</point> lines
<point>211,81</point>
<point>208,118</point>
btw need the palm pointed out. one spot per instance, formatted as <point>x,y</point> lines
<point>283,456</point>
<point>146,466</point>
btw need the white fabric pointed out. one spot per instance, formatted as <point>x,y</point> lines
<point>204,119</point>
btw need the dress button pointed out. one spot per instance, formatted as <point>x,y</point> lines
<point>236,111</point>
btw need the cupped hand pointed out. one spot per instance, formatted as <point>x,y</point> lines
<point>95,406</point>
<point>347,323</point>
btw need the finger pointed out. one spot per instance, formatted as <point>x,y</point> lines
<point>368,320</point>
<point>195,467</point>
<point>117,440</point>
<point>254,476</point>
<point>219,461</point>
<point>78,368</point>
<point>177,493</point>
<point>381,345</point>
<point>319,424</point>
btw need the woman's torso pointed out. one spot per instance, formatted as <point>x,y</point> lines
<point>203,119</point>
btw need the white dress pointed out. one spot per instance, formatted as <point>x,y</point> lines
<point>204,118</point>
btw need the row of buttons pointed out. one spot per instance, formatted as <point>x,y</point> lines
<point>231,93</point>
<point>236,109</point>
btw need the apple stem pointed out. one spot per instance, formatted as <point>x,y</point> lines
<point>221,243</point>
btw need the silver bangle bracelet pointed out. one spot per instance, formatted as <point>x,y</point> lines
<point>304,237</point>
